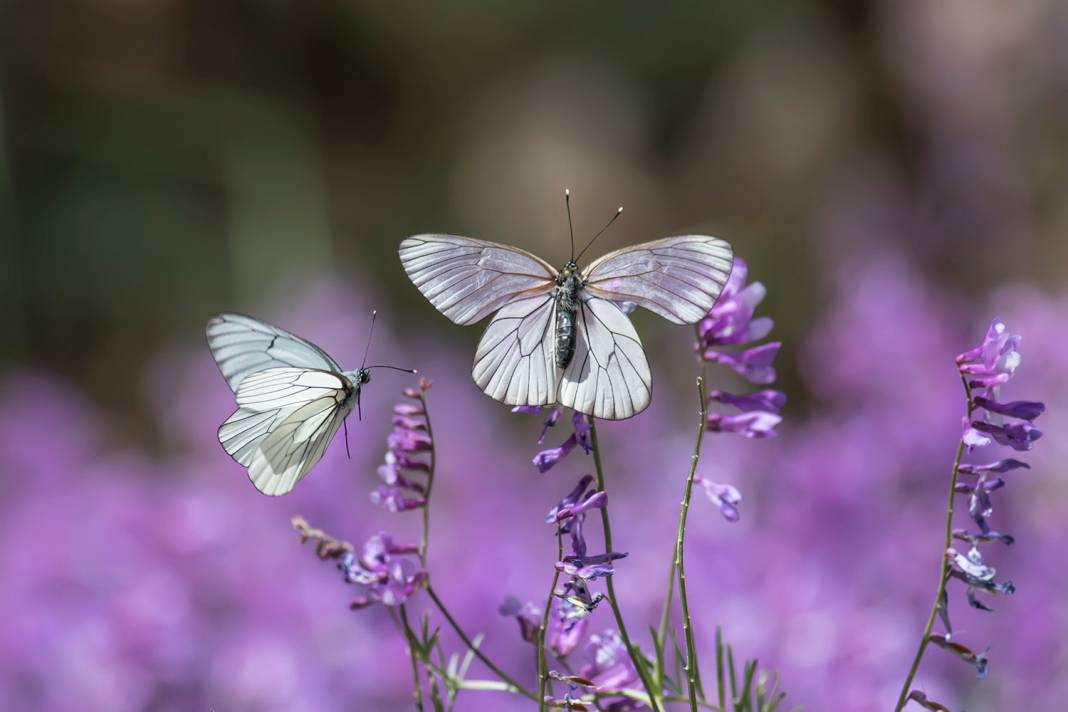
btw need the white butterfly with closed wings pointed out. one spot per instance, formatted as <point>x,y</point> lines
<point>291,398</point>
<point>561,336</point>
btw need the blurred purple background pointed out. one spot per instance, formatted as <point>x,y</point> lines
<point>895,173</point>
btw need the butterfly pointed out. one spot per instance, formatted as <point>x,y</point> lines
<point>291,398</point>
<point>562,336</point>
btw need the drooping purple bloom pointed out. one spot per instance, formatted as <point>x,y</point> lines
<point>590,567</point>
<point>994,360</point>
<point>755,425</point>
<point>580,435</point>
<point>526,614</point>
<point>550,420</point>
<point>767,400</point>
<point>383,572</point>
<point>405,464</point>
<point>979,660</point>
<point>753,364</point>
<point>730,321</point>
<point>1018,436</point>
<point>608,664</point>
<point>1025,410</point>
<point>726,497</point>
<point>1006,465</point>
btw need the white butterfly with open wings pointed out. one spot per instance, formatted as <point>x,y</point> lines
<point>561,336</point>
<point>291,398</point>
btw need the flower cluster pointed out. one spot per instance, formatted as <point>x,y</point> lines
<point>984,370</point>
<point>580,435</point>
<point>406,457</point>
<point>561,637</point>
<point>730,323</point>
<point>383,572</point>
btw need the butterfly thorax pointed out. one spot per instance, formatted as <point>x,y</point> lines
<point>353,381</point>
<point>568,286</point>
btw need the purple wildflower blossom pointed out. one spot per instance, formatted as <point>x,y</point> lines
<point>382,572</point>
<point>404,465</point>
<point>580,435</point>
<point>766,400</point>
<point>609,664</point>
<point>730,321</point>
<point>753,364</point>
<point>754,425</point>
<point>993,361</point>
<point>726,497</point>
<point>550,420</point>
<point>526,614</point>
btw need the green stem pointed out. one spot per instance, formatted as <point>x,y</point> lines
<point>474,649</point>
<point>543,668</point>
<point>943,564</point>
<point>680,537</point>
<point>424,541</point>
<point>409,636</point>
<point>632,650</point>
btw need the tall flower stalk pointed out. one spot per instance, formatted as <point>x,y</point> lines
<point>983,370</point>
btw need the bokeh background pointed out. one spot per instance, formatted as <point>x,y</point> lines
<point>895,171</point>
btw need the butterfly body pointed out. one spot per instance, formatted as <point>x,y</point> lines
<point>561,336</point>
<point>569,283</point>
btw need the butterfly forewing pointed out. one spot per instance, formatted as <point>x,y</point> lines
<point>468,279</point>
<point>608,376</point>
<point>242,345</point>
<point>678,278</point>
<point>515,359</point>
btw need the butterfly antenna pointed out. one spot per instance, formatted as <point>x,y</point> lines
<point>600,232</point>
<point>370,333</point>
<point>345,423</point>
<point>570,227</point>
<point>393,368</point>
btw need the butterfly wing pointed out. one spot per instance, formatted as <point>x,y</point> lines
<point>242,345</point>
<point>468,279</point>
<point>285,419</point>
<point>515,361</point>
<point>608,376</point>
<point>678,278</point>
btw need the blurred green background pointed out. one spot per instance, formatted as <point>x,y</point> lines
<point>164,160</point>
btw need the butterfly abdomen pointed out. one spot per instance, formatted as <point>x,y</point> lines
<point>566,310</point>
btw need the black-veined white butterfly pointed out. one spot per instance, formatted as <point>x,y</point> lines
<point>291,398</point>
<point>561,336</point>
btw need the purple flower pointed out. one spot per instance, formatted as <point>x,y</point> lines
<point>754,364</point>
<point>550,420</point>
<point>979,660</point>
<point>1018,436</point>
<point>1025,410</point>
<point>995,360</point>
<point>527,615</point>
<point>755,425</point>
<point>766,400</point>
<point>608,664</point>
<point>569,501</point>
<point>726,497</point>
<point>580,435</point>
<point>730,321</point>
<point>404,467</point>
<point>1006,465</point>
<point>382,572</point>
<point>394,499</point>
<point>590,567</point>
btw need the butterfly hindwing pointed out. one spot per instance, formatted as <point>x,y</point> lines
<point>608,376</point>
<point>515,359</point>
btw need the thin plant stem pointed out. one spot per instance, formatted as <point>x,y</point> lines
<point>543,668</point>
<point>665,612</point>
<point>409,636</point>
<point>424,541</point>
<point>680,537</point>
<point>943,564</point>
<point>474,648</point>
<point>632,650</point>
